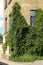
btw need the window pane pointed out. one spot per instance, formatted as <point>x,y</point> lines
<point>32,13</point>
<point>32,17</point>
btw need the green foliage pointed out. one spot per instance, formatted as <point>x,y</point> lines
<point>1,37</point>
<point>39,26</point>
<point>34,37</point>
<point>31,39</point>
<point>4,47</point>
<point>26,58</point>
<point>23,39</point>
<point>39,19</point>
<point>17,32</point>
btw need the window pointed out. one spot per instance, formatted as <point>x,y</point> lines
<point>5,4</point>
<point>32,17</point>
<point>6,25</point>
<point>9,1</point>
<point>10,19</point>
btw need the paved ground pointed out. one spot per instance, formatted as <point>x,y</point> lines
<point>40,62</point>
<point>19,63</point>
<point>1,63</point>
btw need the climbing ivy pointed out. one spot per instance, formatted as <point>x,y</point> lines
<point>23,38</point>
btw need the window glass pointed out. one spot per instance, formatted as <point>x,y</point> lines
<point>32,13</point>
<point>32,17</point>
